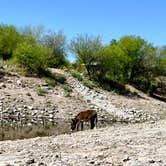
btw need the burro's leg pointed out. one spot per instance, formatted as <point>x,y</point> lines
<point>92,123</point>
<point>82,125</point>
<point>78,124</point>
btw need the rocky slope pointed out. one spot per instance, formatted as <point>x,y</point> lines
<point>121,144</point>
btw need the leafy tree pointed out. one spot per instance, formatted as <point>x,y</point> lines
<point>161,66</point>
<point>119,57</point>
<point>141,63</point>
<point>129,60</point>
<point>87,50</point>
<point>134,55</point>
<point>34,58</point>
<point>9,38</point>
<point>110,66</point>
<point>57,43</point>
<point>32,34</point>
<point>131,47</point>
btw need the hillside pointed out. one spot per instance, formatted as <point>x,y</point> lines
<point>142,143</point>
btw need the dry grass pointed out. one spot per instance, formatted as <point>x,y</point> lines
<point>15,131</point>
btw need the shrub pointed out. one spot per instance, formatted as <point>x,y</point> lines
<point>67,90</point>
<point>50,81</point>
<point>33,58</point>
<point>61,78</point>
<point>41,92</point>
<point>9,38</point>
<point>57,77</point>
<point>57,44</point>
<point>76,75</point>
<point>89,84</point>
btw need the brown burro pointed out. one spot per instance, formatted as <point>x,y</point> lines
<point>84,116</point>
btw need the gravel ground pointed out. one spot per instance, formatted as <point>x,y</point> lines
<point>140,144</point>
<point>130,145</point>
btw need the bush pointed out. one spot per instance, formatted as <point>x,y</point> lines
<point>76,75</point>
<point>158,86</point>
<point>33,58</point>
<point>67,90</point>
<point>61,78</point>
<point>9,38</point>
<point>57,44</point>
<point>89,84</point>
<point>50,81</point>
<point>41,91</point>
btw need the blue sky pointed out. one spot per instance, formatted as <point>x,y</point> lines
<point>108,18</point>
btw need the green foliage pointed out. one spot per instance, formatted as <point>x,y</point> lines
<point>57,43</point>
<point>75,74</point>
<point>33,47</point>
<point>9,38</point>
<point>130,59</point>
<point>87,50</point>
<point>61,78</point>
<point>79,68</point>
<point>161,62</point>
<point>32,34</point>
<point>33,58</point>
<point>50,81</point>
<point>158,87</point>
<point>41,91</point>
<point>67,90</point>
<point>89,84</point>
<point>123,57</point>
<point>111,62</point>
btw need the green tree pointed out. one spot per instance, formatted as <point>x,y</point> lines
<point>34,58</point>
<point>87,50</point>
<point>112,60</point>
<point>141,63</point>
<point>9,38</point>
<point>32,34</point>
<point>161,67</point>
<point>129,60</point>
<point>137,56</point>
<point>118,58</point>
<point>57,43</point>
<point>131,47</point>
